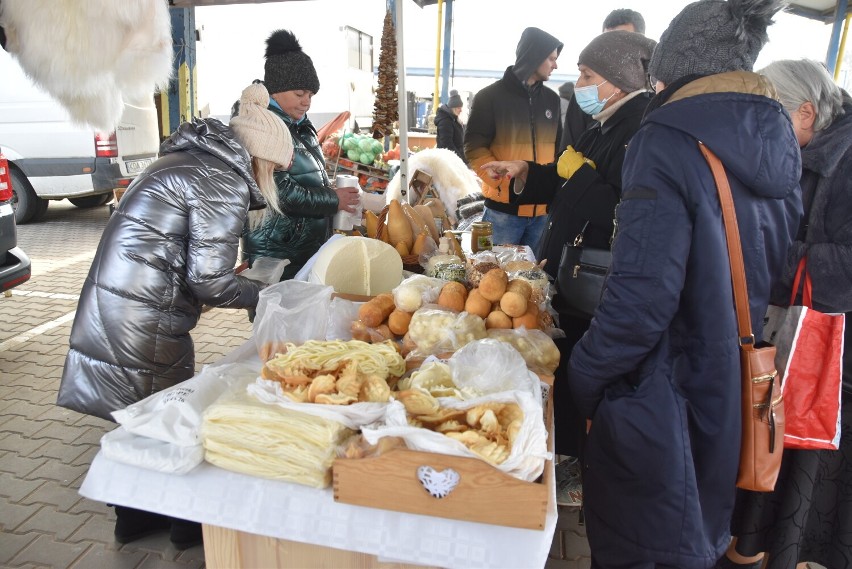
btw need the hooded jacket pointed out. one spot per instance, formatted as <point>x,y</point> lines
<point>658,371</point>
<point>827,193</point>
<point>306,199</point>
<point>510,120</point>
<point>170,247</point>
<point>450,131</point>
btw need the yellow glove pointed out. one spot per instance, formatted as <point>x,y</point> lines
<point>570,162</point>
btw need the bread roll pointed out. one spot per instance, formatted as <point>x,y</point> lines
<point>398,322</point>
<point>521,287</point>
<point>529,319</point>
<point>476,304</point>
<point>451,299</point>
<point>493,284</point>
<point>513,304</point>
<point>498,319</point>
<point>374,311</point>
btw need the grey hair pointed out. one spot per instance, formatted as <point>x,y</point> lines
<point>801,81</point>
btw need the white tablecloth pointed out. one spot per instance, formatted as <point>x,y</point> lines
<point>218,497</point>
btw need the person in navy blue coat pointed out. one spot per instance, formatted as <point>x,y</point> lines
<point>658,372</point>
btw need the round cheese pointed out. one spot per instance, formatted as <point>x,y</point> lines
<point>358,265</point>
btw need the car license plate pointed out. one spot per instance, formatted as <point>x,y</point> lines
<point>136,166</point>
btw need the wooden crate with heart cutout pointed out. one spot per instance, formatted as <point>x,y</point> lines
<point>447,486</point>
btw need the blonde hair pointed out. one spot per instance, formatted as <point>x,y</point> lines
<point>263,171</point>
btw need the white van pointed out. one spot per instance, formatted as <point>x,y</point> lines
<point>52,158</point>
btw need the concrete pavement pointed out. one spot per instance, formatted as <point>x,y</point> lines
<point>45,450</point>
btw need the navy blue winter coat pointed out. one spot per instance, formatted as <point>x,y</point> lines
<point>658,370</point>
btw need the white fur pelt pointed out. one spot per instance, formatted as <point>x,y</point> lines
<point>93,56</point>
<point>450,177</point>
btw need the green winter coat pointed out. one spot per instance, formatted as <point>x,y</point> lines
<point>306,199</point>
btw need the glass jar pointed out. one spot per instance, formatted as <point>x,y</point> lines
<point>480,236</point>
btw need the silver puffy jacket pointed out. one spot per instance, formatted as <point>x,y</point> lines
<point>169,248</point>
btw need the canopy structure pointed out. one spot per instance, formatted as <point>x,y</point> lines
<point>836,12</point>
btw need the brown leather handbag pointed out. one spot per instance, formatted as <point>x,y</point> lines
<point>762,405</point>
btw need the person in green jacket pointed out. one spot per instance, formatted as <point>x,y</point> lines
<point>298,220</point>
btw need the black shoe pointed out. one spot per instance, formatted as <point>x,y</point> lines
<point>185,534</point>
<point>132,524</point>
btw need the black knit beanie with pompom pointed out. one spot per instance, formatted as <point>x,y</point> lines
<point>288,68</point>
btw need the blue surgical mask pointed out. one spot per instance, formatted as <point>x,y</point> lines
<point>587,99</point>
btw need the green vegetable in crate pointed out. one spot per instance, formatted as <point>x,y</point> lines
<point>365,144</point>
<point>367,158</point>
<point>377,147</point>
<point>353,154</point>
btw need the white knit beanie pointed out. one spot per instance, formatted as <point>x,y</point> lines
<point>259,130</point>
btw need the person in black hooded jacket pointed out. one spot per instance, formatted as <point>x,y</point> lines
<point>516,118</point>
<point>450,130</point>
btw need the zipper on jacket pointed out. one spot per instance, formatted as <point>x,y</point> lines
<point>532,124</point>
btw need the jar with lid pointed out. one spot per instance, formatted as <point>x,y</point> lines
<point>480,236</point>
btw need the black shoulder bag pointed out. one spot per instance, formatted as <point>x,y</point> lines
<point>581,276</point>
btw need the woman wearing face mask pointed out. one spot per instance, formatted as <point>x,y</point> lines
<point>584,185</point>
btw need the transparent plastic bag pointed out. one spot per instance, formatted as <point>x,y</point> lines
<point>489,366</point>
<point>536,347</point>
<point>266,270</point>
<point>434,330</point>
<point>415,291</point>
<point>290,311</point>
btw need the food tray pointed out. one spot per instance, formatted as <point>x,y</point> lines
<point>483,494</point>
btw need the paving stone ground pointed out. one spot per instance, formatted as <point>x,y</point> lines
<point>46,450</point>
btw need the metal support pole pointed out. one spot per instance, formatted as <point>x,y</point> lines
<point>839,17</point>
<point>445,67</point>
<point>403,100</point>
<point>180,102</point>
<point>842,48</point>
<point>436,100</point>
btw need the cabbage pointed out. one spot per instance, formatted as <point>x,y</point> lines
<point>365,144</point>
<point>353,154</point>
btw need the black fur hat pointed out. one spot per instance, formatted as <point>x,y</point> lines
<point>288,68</point>
<point>713,36</point>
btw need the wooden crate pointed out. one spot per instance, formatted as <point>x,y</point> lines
<point>484,493</point>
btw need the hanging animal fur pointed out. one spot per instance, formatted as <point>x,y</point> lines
<point>53,42</point>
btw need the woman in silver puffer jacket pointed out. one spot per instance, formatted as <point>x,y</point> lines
<point>171,247</point>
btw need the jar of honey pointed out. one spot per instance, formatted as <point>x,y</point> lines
<point>480,236</point>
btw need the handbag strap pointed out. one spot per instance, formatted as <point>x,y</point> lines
<point>735,251</point>
<point>803,278</point>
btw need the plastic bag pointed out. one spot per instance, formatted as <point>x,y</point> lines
<point>266,270</point>
<point>435,331</point>
<point>536,347</point>
<point>415,291</point>
<point>353,416</point>
<point>490,366</point>
<point>290,311</point>
<point>121,446</point>
<point>174,414</point>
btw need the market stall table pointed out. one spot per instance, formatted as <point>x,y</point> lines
<point>241,513</point>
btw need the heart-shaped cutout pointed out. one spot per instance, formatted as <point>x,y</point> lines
<point>438,484</point>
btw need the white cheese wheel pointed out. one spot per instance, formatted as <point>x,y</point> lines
<point>358,265</point>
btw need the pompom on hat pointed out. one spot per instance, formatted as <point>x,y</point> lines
<point>287,67</point>
<point>455,100</point>
<point>713,36</point>
<point>621,58</point>
<point>261,132</point>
